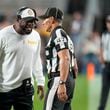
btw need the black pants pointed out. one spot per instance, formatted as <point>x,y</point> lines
<point>105,87</point>
<point>51,101</point>
<point>20,98</point>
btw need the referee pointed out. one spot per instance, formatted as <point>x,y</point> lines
<point>105,58</point>
<point>61,63</point>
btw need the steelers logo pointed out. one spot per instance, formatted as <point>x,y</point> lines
<point>30,12</point>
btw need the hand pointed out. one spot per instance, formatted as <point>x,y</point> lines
<point>61,93</point>
<point>40,90</point>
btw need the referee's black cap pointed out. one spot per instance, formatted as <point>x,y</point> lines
<point>55,12</point>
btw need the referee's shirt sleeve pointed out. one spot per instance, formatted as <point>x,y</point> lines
<point>60,40</point>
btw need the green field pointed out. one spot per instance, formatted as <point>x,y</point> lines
<point>80,100</point>
<point>86,95</point>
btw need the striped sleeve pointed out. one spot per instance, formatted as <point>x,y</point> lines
<point>60,40</point>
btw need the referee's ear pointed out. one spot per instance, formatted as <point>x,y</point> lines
<point>53,20</point>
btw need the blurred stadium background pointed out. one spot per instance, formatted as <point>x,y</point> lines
<point>84,22</point>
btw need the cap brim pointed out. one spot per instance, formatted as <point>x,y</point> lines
<point>43,17</point>
<point>30,18</point>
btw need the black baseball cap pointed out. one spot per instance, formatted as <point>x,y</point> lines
<point>27,13</point>
<point>55,12</point>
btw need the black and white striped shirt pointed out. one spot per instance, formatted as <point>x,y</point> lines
<point>59,40</point>
<point>105,44</point>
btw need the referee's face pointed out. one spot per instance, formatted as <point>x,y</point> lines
<point>47,23</point>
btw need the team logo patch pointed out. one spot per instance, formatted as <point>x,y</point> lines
<point>60,40</point>
<point>30,42</point>
<point>30,12</point>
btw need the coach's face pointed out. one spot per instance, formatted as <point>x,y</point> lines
<point>26,26</point>
<point>47,24</point>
